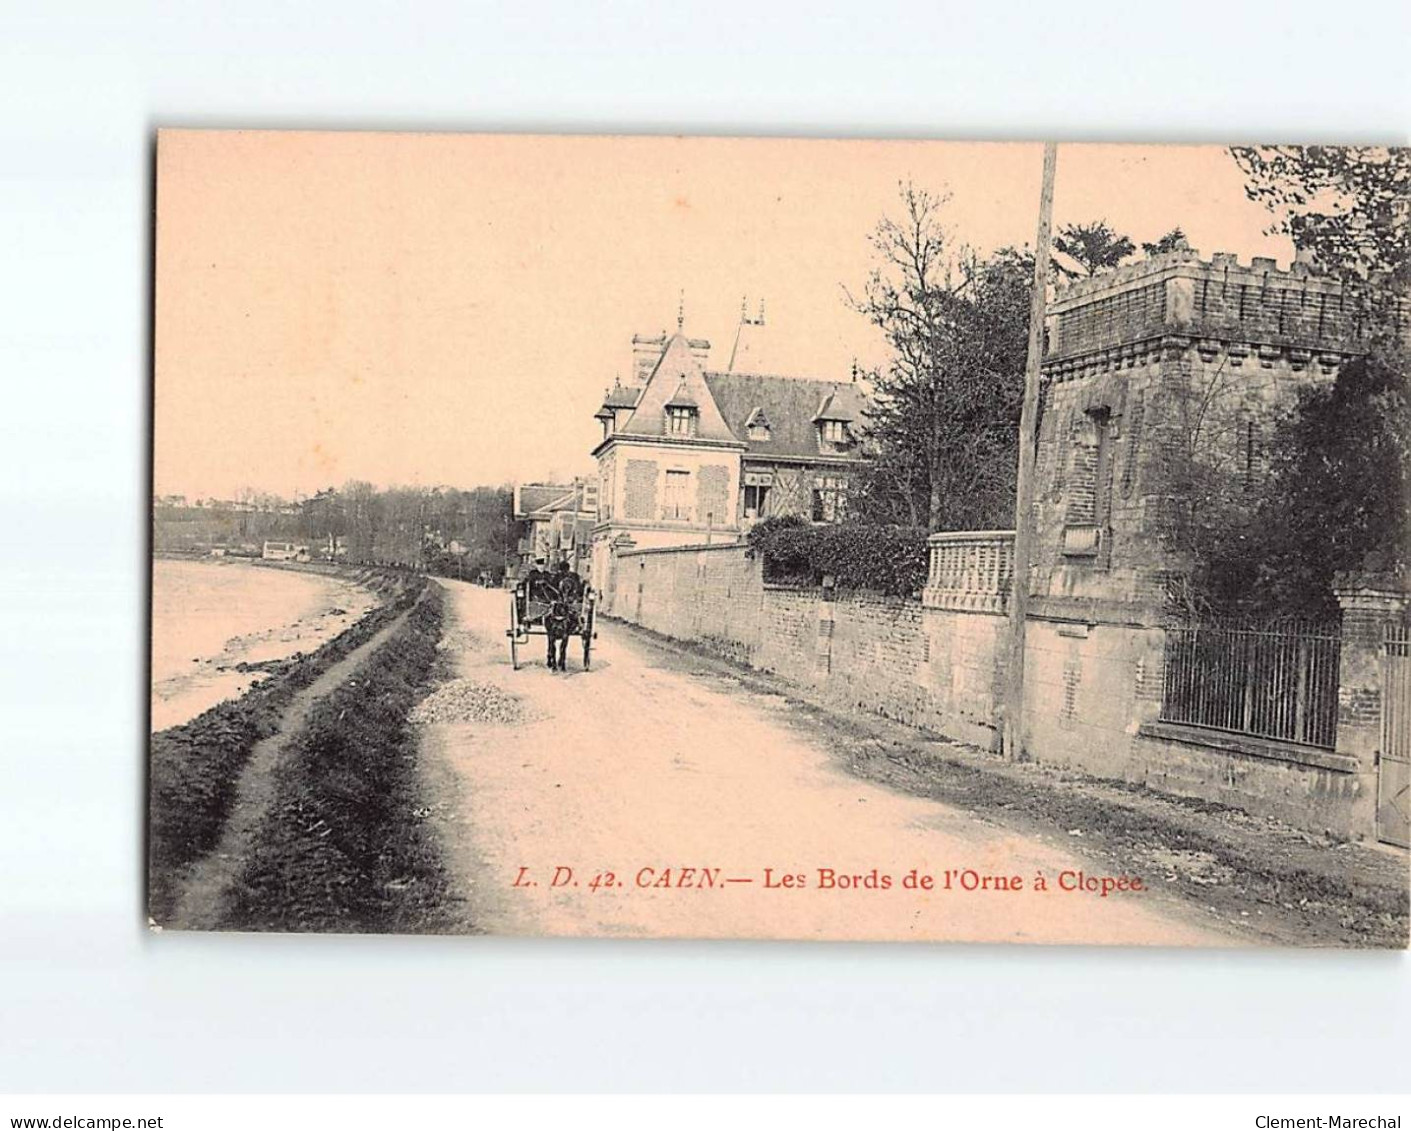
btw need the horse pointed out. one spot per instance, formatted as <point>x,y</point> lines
<point>560,622</point>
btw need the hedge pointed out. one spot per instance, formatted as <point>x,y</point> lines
<point>886,559</point>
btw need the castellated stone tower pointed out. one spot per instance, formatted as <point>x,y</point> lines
<point>1163,380</point>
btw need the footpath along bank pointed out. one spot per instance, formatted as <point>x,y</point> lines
<point>293,806</point>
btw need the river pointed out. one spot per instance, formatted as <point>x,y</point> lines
<point>208,616</point>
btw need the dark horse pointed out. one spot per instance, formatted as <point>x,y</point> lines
<point>560,622</point>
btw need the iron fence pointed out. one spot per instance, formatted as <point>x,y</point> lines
<point>1396,692</point>
<point>1278,682</point>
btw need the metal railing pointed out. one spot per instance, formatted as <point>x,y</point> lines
<point>1279,682</point>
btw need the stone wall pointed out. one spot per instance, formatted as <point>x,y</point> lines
<point>931,668</point>
<point>1093,688</point>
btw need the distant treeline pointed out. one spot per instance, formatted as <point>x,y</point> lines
<point>440,529</point>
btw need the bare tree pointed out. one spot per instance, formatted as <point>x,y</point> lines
<point>941,425</point>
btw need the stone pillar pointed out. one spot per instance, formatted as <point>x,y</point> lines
<point>619,545</point>
<point>1148,676</point>
<point>1370,602</point>
<point>827,616</point>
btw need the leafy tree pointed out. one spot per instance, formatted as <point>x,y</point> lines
<point>1173,240</point>
<point>1335,499</point>
<point>941,427</point>
<point>1339,479</point>
<point>480,522</point>
<point>1349,205</point>
<point>1094,246</point>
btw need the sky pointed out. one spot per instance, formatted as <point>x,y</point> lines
<point>441,309</point>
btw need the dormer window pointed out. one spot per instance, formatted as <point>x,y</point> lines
<point>757,427</point>
<point>682,412</point>
<point>680,421</point>
<point>834,433</point>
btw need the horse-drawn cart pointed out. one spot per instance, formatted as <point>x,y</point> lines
<point>555,615</point>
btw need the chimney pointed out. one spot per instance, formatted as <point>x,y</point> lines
<point>646,352</point>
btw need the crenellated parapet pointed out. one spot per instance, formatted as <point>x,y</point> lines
<point>1176,305</point>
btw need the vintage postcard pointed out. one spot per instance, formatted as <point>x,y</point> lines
<point>659,537</point>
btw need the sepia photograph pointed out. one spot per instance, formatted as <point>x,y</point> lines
<point>706,565</point>
<point>798,539</point>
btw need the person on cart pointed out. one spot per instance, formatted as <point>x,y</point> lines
<point>568,584</point>
<point>534,600</point>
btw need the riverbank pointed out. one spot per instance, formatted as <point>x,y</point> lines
<point>218,625</point>
<point>195,768</point>
<point>342,843</point>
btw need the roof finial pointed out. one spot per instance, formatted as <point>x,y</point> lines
<point>761,312</point>
<point>681,310</point>
<point>744,314</point>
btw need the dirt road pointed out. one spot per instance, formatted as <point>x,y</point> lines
<point>645,767</point>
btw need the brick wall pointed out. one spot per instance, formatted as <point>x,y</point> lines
<point>713,495</point>
<point>640,489</point>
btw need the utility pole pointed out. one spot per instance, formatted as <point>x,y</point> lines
<point>1014,731</point>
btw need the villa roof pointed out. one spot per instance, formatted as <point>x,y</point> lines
<point>792,406</point>
<point>620,396</point>
<point>842,403</point>
<point>786,409</point>
<point>677,374</point>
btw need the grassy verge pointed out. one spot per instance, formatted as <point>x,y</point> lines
<point>195,767</point>
<point>343,846</point>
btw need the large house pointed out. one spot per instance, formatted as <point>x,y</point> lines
<point>695,456</point>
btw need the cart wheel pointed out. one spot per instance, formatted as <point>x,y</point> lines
<point>588,641</point>
<point>514,633</point>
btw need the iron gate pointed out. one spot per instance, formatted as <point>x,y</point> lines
<point>1394,766</point>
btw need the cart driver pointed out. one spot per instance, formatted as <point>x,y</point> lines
<point>535,581</point>
<point>568,583</point>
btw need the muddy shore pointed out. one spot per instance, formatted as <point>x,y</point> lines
<point>219,624</point>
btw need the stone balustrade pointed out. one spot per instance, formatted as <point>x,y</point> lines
<point>970,570</point>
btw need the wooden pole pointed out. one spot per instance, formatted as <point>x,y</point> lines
<point>1014,730</point>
